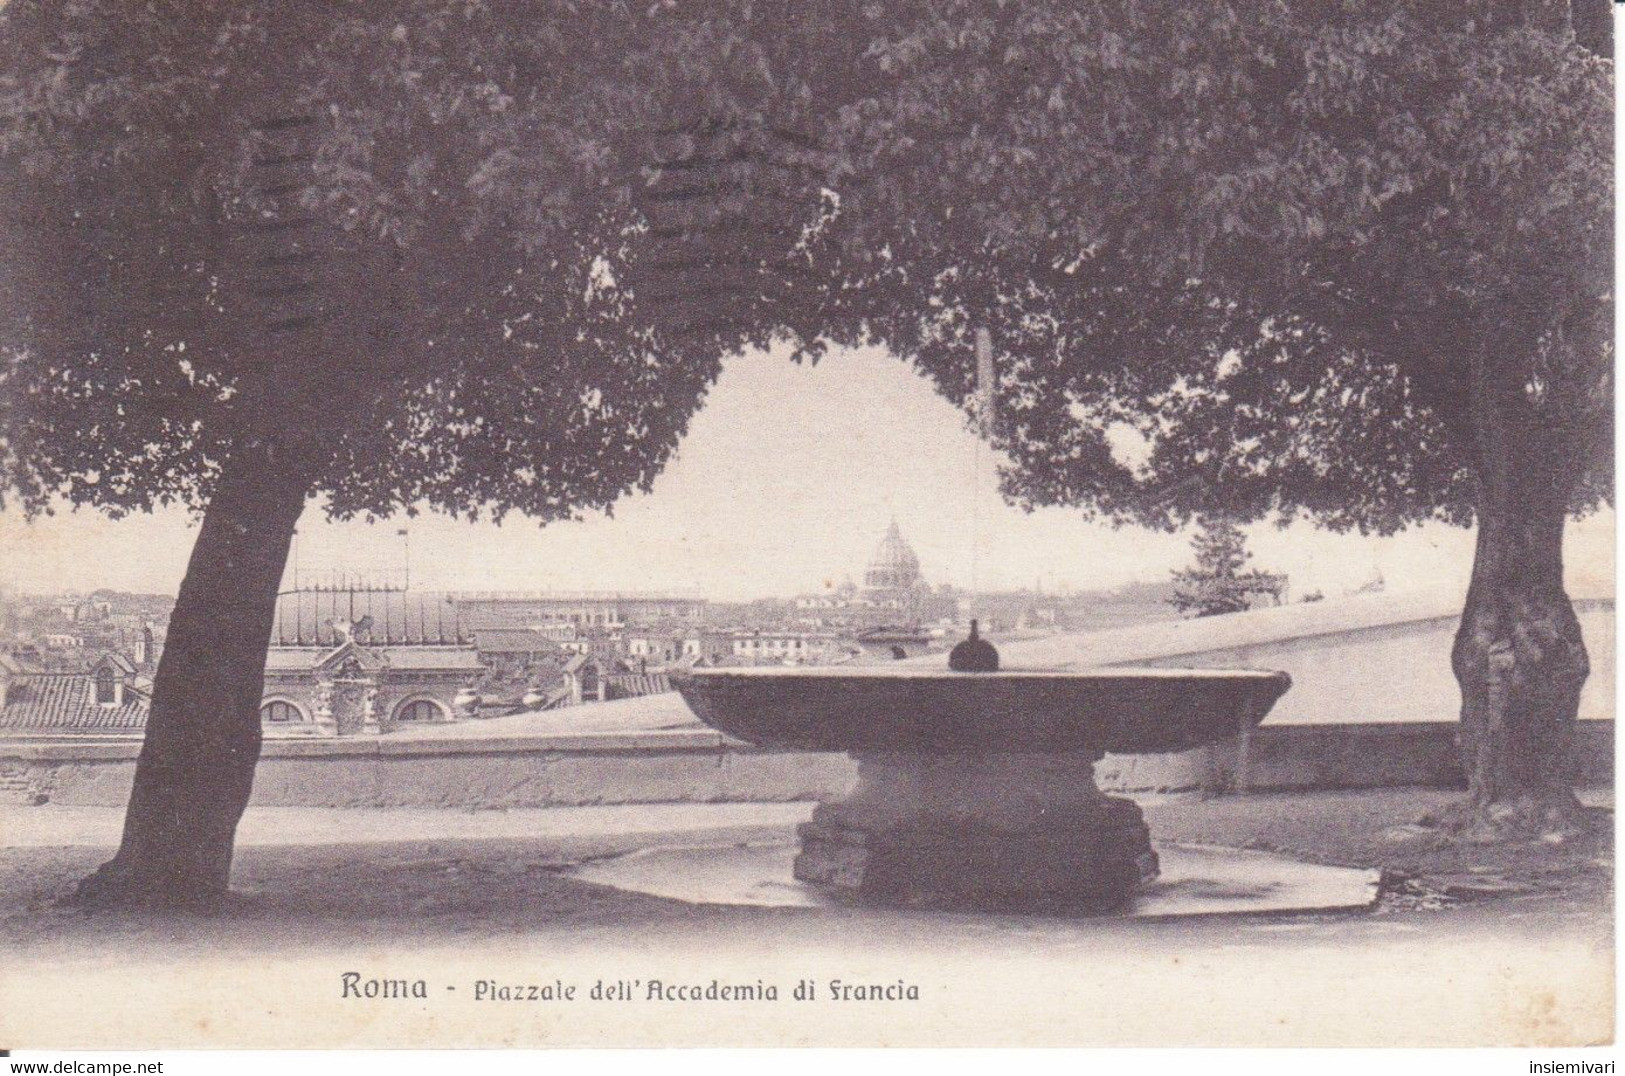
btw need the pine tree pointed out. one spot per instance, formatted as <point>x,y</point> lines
<point>1218,583</point>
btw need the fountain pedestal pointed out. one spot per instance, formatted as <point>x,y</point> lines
<point>1017,831</point>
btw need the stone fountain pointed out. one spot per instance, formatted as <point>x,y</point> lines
<point>976,790</point>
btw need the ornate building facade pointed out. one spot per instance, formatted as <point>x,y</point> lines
<point>352,662</point>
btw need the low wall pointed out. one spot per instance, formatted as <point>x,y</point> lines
<point>1278,758</point>
<point>539,771</point>
<point>1390,672</point>
<point>699,766</point>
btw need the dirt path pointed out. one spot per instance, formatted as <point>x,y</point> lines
<point>1507,945</point>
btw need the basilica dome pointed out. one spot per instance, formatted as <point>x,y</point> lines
<point>894,565</point>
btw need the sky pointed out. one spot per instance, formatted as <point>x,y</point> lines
<point>785,484</point>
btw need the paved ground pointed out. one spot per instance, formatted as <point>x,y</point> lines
<point>1474,945</point>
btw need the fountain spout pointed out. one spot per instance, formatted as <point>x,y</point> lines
<point>974,654</point>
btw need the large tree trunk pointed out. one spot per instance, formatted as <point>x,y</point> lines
<point>1518,656</point>
<point>1521,662</point>
<point>196,768</point>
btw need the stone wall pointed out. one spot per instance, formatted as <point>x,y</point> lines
<point>698,766</point>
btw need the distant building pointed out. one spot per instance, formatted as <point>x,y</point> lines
<point>365,660</point>
<point>582,609</point>
<point>893,590</point>
<point>350,662</point>
<point>704,648</point>
<point>771,647</point>
<point>657,648</point>
<point>146,648</point>
<point>838,597</point>
<point>383,617</point>
<point>515,643</point>
<point>892,579</point>
<point>89,611</point>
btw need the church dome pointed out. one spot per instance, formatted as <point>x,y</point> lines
<point>894,565</point>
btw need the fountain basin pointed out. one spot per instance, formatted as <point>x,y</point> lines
<point>885,708</point>
<point>976,790</point>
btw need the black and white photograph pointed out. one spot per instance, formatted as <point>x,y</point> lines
<point>780,524</point>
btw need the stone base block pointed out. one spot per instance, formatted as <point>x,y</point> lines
<point>971,834</point>
<point>1097,866</point>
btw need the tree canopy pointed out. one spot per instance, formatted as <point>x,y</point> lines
<point>1253,243</point>
<point>1243,241</point>
<point>396,231</point>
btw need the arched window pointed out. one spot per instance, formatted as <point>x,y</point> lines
<point>278,712</point>
<point>420,710</point>
<point>106,687</point>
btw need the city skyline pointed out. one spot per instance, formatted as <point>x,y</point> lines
<point>786,483</point>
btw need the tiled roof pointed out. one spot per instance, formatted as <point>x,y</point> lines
<point>68,701</point>
<point>431,658</point>
<point>632,685</point>
<point>511,641</point>
<point>399,618</point>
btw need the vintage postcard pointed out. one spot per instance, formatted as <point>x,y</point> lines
<point>722,523</point>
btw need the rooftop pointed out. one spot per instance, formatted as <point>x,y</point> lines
<point>67,702</point>
<point>325,618</point>
<point>511,641</point>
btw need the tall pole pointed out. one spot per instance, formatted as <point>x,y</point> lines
<point>974,653</point>
<point>985,391</point>
<point>406,542</point>
<point>986,387</point>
